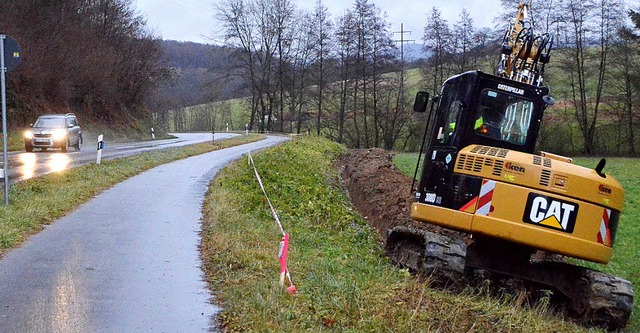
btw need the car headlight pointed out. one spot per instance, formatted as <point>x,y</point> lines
<point>58,134</point>
<point>28,135</point>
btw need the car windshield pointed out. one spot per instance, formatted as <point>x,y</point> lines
<point>49,122</point>
<point>503,117</point>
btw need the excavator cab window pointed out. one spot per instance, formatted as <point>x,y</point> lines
<point>449,130</point>
<point>450,110</point>
<point>503,117</point>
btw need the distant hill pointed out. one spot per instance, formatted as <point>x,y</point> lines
<point>195,55</point>
<point>413,52</point>
<point>202,73</point>
<point>193,70</point>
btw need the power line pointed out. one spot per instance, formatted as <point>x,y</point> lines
<point>402,41</point>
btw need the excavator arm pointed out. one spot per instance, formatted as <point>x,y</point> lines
<point>524,53</point>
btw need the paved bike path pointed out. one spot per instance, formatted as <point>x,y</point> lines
<point>126,261</point>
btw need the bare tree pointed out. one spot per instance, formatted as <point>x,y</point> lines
<point>624,85</point>
<point>437,42</point>
<point>463,39</point>
<point>345,48</point>
<point>261,29</point>
<point>97,59</point>
<point>240,32</point>
<point>579,63</point>
<point>299,63</point>
<point>282,12</point>
<point>321,39</point>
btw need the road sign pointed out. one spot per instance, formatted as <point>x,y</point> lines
<point>12,53</point>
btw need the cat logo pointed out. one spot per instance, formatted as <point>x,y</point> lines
<point>550,212</point>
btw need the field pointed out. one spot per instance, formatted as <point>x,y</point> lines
<point>232,113</point>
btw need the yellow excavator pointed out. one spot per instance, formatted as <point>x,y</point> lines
<point>482,177</point>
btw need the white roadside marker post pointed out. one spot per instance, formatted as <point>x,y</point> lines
<point>153,134</point>
<point>100,146</point>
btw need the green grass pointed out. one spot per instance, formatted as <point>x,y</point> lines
<point>14,141</point>
<point>626,253</point>
<point>345,282</point>
<point>406,163</point>
<point>39,201</point>
<point>232,111</point>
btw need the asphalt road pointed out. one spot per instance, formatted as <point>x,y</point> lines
<point>126,261</point>
<point>23,165</point>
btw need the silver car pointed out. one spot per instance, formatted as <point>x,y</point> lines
<point>54,131</point>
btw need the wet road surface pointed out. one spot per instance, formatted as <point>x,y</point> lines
<point>23,165</point>
<point>126,261</point>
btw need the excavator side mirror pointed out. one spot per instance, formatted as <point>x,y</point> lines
<point>547,99</point>
<point>422,99</point>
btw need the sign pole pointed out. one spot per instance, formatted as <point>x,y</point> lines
<point>5,158</point>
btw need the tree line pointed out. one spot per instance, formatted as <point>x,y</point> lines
<point>92,57</point>
<point>342,77</point>
<point>305,71</point>
<point>593,72</point>
<point>308,72</point>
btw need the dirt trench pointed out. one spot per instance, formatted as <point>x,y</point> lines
<point>378,190</point>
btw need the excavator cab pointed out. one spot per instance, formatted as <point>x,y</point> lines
<point>482,109</point>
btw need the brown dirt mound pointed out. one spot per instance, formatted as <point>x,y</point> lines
<point>380,192</point>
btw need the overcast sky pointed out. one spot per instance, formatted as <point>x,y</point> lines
<point>194,20</point>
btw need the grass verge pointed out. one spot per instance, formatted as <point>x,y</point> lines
<point>626,255</point>
<point>344,280</point>
<point>15,142</point>
<point>39,201</point>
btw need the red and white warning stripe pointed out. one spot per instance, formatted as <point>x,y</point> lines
<point>485,197</point>
<point>604,235</point>
<point>483,201</point>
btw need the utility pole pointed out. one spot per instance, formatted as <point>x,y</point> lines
<point>400,103</point>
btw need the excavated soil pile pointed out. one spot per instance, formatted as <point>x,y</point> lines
<point>380,192</point>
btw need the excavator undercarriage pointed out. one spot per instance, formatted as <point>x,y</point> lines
<point>593,298</point>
